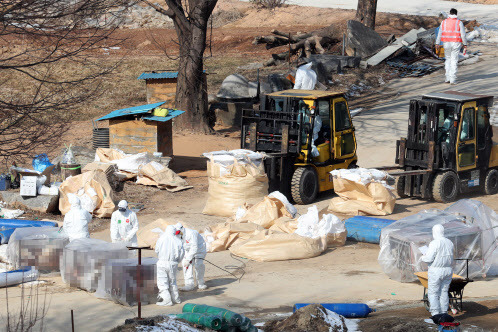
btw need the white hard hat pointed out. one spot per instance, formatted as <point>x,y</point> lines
<point>123,204</point>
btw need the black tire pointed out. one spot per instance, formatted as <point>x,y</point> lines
<point>304,185</point>
<point>400,186</point>
<point>491,182</point>
<point>445,187</point>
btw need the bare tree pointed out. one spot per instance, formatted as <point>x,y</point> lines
<point>366,11</point>
<point>190,18</point>
<point>48,66</point>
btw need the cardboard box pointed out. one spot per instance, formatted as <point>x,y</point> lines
<point>28,186</point>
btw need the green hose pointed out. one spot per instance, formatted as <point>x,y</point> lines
<point>232,318</point>
<point>212,322</point>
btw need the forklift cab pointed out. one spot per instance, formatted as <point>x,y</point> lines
<point>306,134</point>
<point>450,137</point>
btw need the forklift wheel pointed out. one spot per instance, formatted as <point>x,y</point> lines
<point>445,187</point>
<point>400,186</point>
<point>304,186</point>
<point>491,182</point>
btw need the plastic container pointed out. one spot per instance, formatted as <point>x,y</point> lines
<point>366,229</point>
<point>68,170</point>
<point>348,310</point>
<point>4,182</point>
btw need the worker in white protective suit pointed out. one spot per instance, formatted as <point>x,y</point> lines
<point>124,225</point>
<point>439,257</point>
<point>452,34</point>
<point>195,252</point>
<point>305,77</point>
<point>170,252</point>
<point>76,220</point>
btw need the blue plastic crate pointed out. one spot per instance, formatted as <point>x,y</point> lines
<point>366,229</point>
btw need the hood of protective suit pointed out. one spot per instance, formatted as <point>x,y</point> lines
<point>438,232</point>
<point>170,230</point>
<point>180,227</point>
<point>306,66</point>
<point>74,201</point>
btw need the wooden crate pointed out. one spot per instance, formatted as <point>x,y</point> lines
<point>136,136</point>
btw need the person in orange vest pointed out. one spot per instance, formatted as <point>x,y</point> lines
<point>452,34</point>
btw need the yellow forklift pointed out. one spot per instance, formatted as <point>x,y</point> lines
<point>305,134</point>
<point>448,149</point>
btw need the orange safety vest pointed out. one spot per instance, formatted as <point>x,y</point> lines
<point>450,30</point>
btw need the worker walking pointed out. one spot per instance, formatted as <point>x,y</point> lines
<point>195,252</point>
<point>76,220</point>
<point>170,252</point>
<point>452,34</point>
<point>439,256</point>
<point>124,225</point>
<point>305,77</point>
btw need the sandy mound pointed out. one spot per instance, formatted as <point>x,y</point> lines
<point>312,318</point>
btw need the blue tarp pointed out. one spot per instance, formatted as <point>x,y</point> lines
<point>8,226</point>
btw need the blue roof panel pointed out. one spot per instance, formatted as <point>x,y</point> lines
<point>152,76</point>
<point>143,109</point>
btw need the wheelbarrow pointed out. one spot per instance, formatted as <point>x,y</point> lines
<point>455,292</point>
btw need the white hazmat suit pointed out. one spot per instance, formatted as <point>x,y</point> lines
<point>170,252</point>
<point>305,77</point>
<point>452,50</point>
<point>195,252</point>
<point>76,220</point>
<point>124,225</point>
<point>439,256</point>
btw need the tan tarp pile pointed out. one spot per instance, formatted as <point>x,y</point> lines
<point>240,183</point>
<point>155,174</point>
<point>265,212</point>
<point>267,246</point>
<point>361,199</point>
<point>147,173</point>
<point>225,235</point>
<point>91,182</point>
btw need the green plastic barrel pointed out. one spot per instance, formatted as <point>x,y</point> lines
<point>232,318</point>
<point>212,322</point>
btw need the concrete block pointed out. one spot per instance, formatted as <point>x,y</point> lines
<point>41,203</point>
<point>365,40</point>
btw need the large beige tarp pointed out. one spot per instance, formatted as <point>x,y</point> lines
<point>155,174</point>
<point>94,185</point>
<point>361,199</point>
<point>222,236</point>
<point>267,246</point>
<point>232,186</point>
<point>266,212</point>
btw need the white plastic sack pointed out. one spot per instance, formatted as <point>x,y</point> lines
<point>10,214</point>
<point>310,224</point>
<point>364,175</point>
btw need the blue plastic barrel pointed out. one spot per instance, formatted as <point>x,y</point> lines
<point>5,234</point>
<point>366,229</point>
<point>348,310</point>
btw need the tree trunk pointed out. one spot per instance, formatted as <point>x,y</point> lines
<point>191,94</point>
<point>366,11</point>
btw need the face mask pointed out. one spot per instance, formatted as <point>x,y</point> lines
<point>122,209</point>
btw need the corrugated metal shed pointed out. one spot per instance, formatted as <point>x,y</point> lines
<point>155,76</point>
<point>143,109</point>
